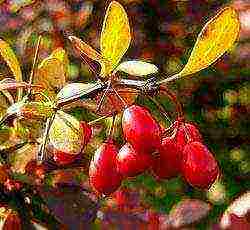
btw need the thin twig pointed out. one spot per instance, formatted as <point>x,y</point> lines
<point>34,63</point>
<point>98,119</point>
<point>161,109</point>
<point>173,98</point>
<point>168,79</point>
<point>103,97</point>
<point>42,148</point>
<point>111,130</point>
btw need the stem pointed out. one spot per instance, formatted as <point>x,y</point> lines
<point>168,79</point>
<point>173,98</point>
<point>121,99</point>
<point>91,67</point>
<point>45,138</point>
<point>161,109</point>
<point>103,97</point>
<point>98,119</point>
<point>34,63</point>
<point>111,130</point>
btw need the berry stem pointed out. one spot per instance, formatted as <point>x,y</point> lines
<point>42,148</point>
<point>161,109</point>
<point>179,108</point>
<point>111,130</point>
<point>98,119</point>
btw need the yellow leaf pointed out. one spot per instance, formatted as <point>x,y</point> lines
<point>51,76</point>
<point>52,72</point>
<point>10,58</point>
<point>217,37</point>
<point>115,37</point>
<point>62,56</point>
<point>65,133</point>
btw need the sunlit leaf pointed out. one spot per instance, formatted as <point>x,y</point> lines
<point>239,207</point>
<point>20,158</point>
<point>86,49</point>
<point>115,36</point>
<point>65,133</point>
<point>217,37</point>
<point>36,110</point>
<point>10,58</point>
<point>52,72</point>
<point>187,212</point>
<point>38,226</point>
<point>16,5</point>
<point>137,68</point>
<point>75,90</point>
<point>31,110</point>
<point>62,56</point>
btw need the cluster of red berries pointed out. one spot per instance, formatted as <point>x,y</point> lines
<point>167,153</point>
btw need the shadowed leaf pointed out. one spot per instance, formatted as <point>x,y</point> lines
<point>20,158</point>
<point>187,212</point>
<point>84,48</point>
<point>71,206</point>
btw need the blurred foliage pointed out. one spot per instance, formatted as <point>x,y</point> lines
<point>163,32</point>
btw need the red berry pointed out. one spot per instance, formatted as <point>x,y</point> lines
<point>200,168</point>
<point>131,163</point>
<point>86,128</point>
<point>168,163</point>
<point>126,199</point>
<point>140,129</point>
<point>103,175</point>
<point>62,158</point>
<point>186,132</point>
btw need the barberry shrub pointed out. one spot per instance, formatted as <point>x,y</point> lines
<point>59,171</point>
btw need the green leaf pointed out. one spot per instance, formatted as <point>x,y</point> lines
<point>217,37</point>
<point>137,68</point>
<point>10,58</point>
